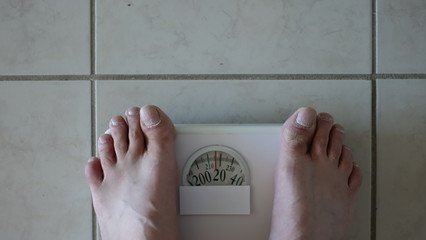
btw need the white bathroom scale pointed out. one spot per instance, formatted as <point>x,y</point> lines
<point>226,180</point>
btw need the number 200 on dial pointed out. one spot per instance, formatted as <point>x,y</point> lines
<point>216,165</point>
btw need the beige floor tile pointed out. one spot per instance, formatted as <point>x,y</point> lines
<point>401,36</point>
<point>401,163</point>
<point>220,101</point>
<point>44,143</point>
<point>242,37</point>
<point>44,37</point>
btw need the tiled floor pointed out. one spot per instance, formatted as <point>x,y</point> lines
<point>45,137</point>
<point>401,165</point>
<point>243,101</point>
<point>332,55</point>
<point>236,37</point>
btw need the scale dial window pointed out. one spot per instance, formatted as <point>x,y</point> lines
<point>214,166</point>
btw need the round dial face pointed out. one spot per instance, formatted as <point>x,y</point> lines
<point>216,165</point>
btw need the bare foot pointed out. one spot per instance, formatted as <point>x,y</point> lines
<point>134,182</point>
<point>315,180</point>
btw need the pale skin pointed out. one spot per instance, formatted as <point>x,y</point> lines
<point>134,180</point>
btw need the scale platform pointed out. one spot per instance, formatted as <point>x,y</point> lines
<point>227,171</point>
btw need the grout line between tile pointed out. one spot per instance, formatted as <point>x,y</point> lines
<point>211,77</point>
<point>374,37</point>
<point>236,77</point>
<point>93,97</point>
<point>93,145</point>
<point>373,210</point>
<point>45,77</point>
<point>92,37</point>
<point>373,201</point>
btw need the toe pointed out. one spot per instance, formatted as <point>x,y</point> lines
<point>136,138</point>
<point>119,132</point>
<point>94,173</point>
<point>355,179</point>
<point>298,131</point>
<point>346,161</point>
<point>158,129</point>
<point>322,134</point>
<point>106,151</point>
<point>335,143</point>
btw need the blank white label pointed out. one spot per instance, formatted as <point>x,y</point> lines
<point>215,200</point>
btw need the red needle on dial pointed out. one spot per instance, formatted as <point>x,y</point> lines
<point>215,160</point>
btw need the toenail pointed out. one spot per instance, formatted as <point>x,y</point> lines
<point>114,122</point>
<point>131,112</point>
<point>325,117</point>
<point>340,129</point>
<point>305,119</point>
<point>346,147</point>
<point>102,140</point>
<point>150,117</point>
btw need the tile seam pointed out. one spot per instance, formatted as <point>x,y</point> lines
<point>374,37</point>
<point>93,97</point>
<point>93,143</point>
<point>92,37</point>
<point>373,197</point>
<point>237,77</point>
<point>373,219</point>
<point>212,77</point>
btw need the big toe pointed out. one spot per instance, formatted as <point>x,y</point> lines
<point>158,129</point>
<point>298,131</point>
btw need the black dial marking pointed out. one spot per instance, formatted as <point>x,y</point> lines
<point>232,163</point>
<point>220,160</point>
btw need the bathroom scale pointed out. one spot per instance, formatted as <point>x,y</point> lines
<point>226,186</point>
